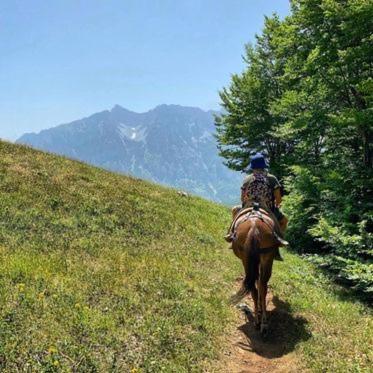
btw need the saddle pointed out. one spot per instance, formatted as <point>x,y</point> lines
<point>255,211</point>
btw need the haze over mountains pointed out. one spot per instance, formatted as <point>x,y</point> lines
<point>170,144</point>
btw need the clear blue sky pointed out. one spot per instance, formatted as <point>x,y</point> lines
<point>61,60</point>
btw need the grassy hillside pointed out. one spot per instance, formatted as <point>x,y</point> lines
<point>100,272</point>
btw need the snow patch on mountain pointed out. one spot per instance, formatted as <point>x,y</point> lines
<point>215,192</point>
<point>136,133</point>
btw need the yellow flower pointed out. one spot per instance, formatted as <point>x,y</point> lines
<point>56,363</point>
<point>52,350</point>
<point>21,286</point>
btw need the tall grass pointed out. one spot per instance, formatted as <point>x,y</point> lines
<point>101,272</point>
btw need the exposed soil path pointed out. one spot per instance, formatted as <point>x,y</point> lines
<point>248,352</point>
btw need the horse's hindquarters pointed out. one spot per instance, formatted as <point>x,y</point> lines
<point>251,237</point>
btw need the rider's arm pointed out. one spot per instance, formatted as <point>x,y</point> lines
<point>276,188</point>
<point>243,194</point>
<point>278,197</point>
<point>243,189</point>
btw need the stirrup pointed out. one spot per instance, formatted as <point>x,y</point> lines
<point>281,240</point>
<point>229,237</point>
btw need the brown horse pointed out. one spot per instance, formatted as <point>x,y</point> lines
<point>255,244</point>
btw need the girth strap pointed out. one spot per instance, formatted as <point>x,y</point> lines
<point>265,250</point>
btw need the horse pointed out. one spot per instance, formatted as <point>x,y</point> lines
<point>255,244</point>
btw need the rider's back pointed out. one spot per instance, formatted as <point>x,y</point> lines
<point>259,187</point>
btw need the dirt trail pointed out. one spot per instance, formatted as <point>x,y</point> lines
<point>248,352</point>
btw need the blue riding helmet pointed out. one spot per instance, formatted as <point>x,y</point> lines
<point>258,162</point>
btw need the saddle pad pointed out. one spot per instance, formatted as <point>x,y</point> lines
<point>250,213</point>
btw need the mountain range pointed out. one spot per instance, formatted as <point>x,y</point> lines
<point>170,144</point>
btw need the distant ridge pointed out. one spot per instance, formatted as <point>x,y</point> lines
<point>170,144</point>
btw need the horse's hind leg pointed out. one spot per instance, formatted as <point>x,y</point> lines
<point>254,294</point>
<point>263,294</point>
<point>264,276</point>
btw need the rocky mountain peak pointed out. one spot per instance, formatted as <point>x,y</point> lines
<point>170,144</point>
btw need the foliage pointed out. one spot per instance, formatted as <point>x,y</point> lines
<point>342,335</point>
<point>305,98</point>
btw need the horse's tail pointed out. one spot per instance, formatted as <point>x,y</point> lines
<point>251,264</point>
<point>252,259</point>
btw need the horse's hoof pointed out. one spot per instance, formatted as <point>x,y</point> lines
<point>244,308</point>
<point>264,330</point>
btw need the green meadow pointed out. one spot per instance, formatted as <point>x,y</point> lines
<point>100,272</point>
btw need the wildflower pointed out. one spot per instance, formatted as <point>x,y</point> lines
<point>52,350</point>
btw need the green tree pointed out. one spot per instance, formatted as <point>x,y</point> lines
<point>305,98</point>
<point>248,123</point>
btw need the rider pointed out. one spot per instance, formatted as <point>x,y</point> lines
<point>263,188</point>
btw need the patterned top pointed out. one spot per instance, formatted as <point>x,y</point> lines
<point>259,187</point>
